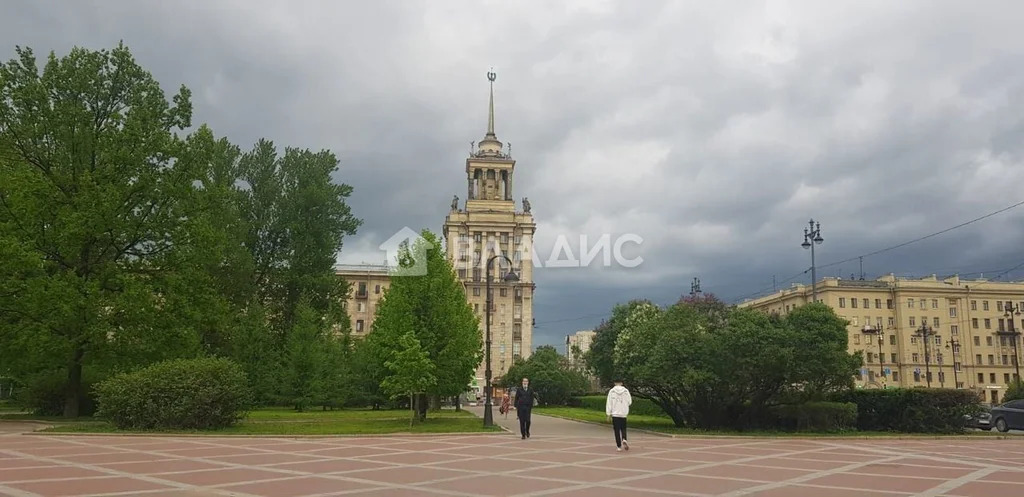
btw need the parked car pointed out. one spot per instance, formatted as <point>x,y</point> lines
<point>1009,416</point>
<point>981,421</point>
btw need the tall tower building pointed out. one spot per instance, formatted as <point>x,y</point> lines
<point>490,225</point>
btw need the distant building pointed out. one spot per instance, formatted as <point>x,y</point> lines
<point>972,329</point>
<point>580,340</point>
<point>367,284</point>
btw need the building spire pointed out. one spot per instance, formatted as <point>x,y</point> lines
<point>490,146</point>
<point>491,76</point>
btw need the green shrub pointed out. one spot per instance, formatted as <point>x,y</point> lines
<point>183,394</point>
<point>1014,391</point>
<point>912,410</point>
<point>642,407</point>
<point>45,393</point>
<point>816,416</point>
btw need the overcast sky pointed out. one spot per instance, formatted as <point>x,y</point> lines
<point>712,130</point>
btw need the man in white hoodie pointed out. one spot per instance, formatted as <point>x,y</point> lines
<point>617,408</point>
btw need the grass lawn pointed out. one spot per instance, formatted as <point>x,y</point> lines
<point>664,424</point>
<point>285,421</point>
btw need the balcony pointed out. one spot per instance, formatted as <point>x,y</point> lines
<point>362,294</point>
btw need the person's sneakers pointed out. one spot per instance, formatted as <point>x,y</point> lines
<point>524,437</point>
<point>618,449</point>
<point>625,444</point>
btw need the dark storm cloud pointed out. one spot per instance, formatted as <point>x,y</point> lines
<point>711,130</point>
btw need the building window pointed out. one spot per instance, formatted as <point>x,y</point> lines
<point>981,377</point>
<point>856,339</point>
<point>504,238</point>
<point>888,304</point>
<point>878,303</point>
<point>938,340</point>
<point>999,305</point>
<point>935,303</point>
<point>952,312</point>
<point>359,326</point>
<point>977,342</point>
<point>974,323</point>
<point>476,308</point>
<point>893,359</point>
<point>913,340</point>
<point>504,292</point>
<point>895,375</point>
<point>917,376</point>
<point>924,304</point>
<point>914,357</point>
<point>478,237</point>
<point>942,377</point>
<point>988,341</point>
<point>935,322</point>
<point>377,290</point>
<point>892,339</point>
<point>1006,378</point>
<point>892,321</point>
<point>842,302</point>
<point>360,307</point>
<point>362,289</point>
<point>871,357</point>
<point>988,324</point>
<point>992,376</point>
<point>1005,359</point>
<point>977,359</point>
<point>910,303</point>
<point>991,361</point>
<point>984,305</point>
<point>974,305</point>
<point>476,291</point>
<point>954,330</point>
<point>866,304</point>
<point>913,321</point>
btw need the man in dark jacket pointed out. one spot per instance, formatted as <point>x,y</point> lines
<point>524,406</point>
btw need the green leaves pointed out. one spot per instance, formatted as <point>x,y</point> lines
<point>551,376</point>
<point>710,366</point>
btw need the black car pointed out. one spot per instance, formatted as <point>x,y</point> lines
<point>981,421</point>
<point>1009,416</point>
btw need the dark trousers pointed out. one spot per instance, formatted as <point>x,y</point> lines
<point>619,426</point>
<point>524,421</point>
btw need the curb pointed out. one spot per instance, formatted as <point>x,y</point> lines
<point>984,436</point>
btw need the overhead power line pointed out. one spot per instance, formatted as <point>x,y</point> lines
<point>886,249</point>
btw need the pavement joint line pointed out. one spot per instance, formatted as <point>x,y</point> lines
<point>956,483</point>
<point>926,456</point>
<point>806,478</point>
<point>677,472</point>
<point>14,492</point>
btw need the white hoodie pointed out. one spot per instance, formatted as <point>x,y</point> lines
<point>618,402</point>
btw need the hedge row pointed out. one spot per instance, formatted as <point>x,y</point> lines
<point>912,410</point>
<point>189,394</point>
<point>815,416</point>
<point>643,407</point>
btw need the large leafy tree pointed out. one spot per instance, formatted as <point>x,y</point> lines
<point>710,367</point>
<point>92,202</point>
<point>433,306</point>
<point>600,359</point>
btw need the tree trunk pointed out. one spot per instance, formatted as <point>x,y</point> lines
<point>423,404</point>
<point>435,402</point>
<point>412,408</point>
<point>458,403</point>
<point>74,386</point>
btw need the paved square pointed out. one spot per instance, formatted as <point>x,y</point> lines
<point>562,459</point>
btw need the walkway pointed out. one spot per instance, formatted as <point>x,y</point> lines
<point>549,464</point>
<point>542,427</point>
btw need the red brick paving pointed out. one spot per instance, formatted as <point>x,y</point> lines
<point>500,465</point>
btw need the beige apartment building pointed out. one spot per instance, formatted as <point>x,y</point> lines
<point>581,340</point>
<point>367,284</point>
<point>488,224</point>
<point>967,341</point>
<point>489,227</point>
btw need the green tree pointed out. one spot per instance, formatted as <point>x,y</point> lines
<point>600,359</point>
<point>551,375</point>
<point>411,372</point>
<point>433,306</point>
<point>90,207</point>
<point>305,359</point>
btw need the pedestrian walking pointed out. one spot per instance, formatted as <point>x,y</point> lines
<point>524,407</point>
<point>506,405</point>
<point>617,409</point>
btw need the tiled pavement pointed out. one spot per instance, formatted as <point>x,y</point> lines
<point>497,465</point>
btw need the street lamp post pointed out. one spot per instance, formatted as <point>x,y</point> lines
<point>1011,331</point>
<point>954,347</point>
<point>510,277</point>
<point>926,332</point>
<point>868,329</point>
<point>813,237</point>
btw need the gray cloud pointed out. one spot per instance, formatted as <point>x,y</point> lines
<point>712,130</point>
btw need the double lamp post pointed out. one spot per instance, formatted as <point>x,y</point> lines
<point>511,277</point>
